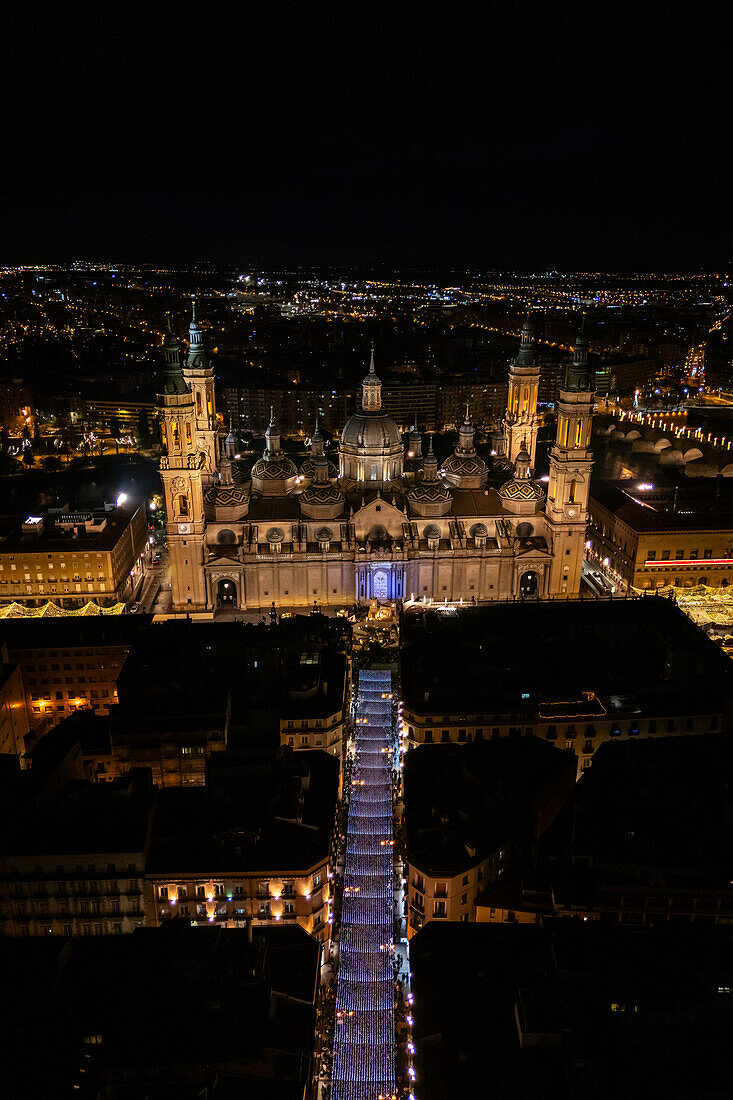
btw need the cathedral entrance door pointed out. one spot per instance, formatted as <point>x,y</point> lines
<point>528,584</point>
<point>227,594</point>
<point>380,582</point>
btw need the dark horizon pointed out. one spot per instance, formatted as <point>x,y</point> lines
<point>572,138</point>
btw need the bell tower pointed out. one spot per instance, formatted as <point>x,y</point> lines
<point>521,421</point>
<point>571,461</point>
<point>199,376</point>
<point>182,477</point>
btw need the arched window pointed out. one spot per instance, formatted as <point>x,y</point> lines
<point>525,399</point>
<point>571,494</point>
<point>587,434</point>
<point>175,436</point>
<point>564,427</point>
<point>163,434</point>
<point>198,404</point>
<point>188,435</point>
<point>182,504</point>
<point>208,405</point>
<point>578,432</point>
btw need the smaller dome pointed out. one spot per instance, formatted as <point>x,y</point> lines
<point>322,494</point>
<point>226,496</point>
<point>275,534</point>
<point>521,489</point>
<point>501,463</point>
<point>308,468</point>
<point>324,534</point>
<point>462,467</point>
<point>432,531</point>
<point>523,456</point>
<point>279,468</point>
<point>429,492</point>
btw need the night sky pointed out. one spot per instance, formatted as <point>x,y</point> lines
<point>485,135</point>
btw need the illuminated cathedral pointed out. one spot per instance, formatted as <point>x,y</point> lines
<point>247,535</point>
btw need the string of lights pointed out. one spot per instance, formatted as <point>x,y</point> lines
<point>364,1041</point>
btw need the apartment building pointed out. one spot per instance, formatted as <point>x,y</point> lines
<point>73,859</point>
<point>71,557</point>
<point>472,812</point>
<point>577,675</point>
<point>252,848</point>
<point>69,663</point>
<point>644,549</point>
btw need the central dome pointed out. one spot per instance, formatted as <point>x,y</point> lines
<point>371,444</point>
<point>371,430</point>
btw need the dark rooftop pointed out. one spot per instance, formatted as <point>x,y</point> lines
<point>465,802</point>
<point>172,1012</point>
<point>604,1011</point>
<point>662,803</point>
<point>69,631</point>
<point>644,518</point>
<point>68,531</point>
<point>260,811</point>
<point>523,656</point>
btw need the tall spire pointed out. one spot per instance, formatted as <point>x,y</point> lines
<point>317,440</point>
<point>523,462</point>
<point>197,358</point>
<point>371,399</point>
<point>578,377</point>
<point>230,443</point>
<point>466,433</point>
<point>173,380</point>
<point>430,463</point>
<point>525,356</point>
<point>272,435</point>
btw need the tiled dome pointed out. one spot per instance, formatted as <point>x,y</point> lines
<point>521,489</point>
<point>277,468</point>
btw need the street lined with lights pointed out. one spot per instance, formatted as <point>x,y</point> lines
<point>364,1042</point>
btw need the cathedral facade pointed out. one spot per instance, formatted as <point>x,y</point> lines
<point>247,535</point>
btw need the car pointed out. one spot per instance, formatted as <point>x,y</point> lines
<point>156,559</point>
<point>133,608</point>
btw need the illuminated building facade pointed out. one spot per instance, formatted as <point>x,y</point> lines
<point>644,549</point>
<point>248,537</point>
<point>72,557</point>
<point>69,664</point>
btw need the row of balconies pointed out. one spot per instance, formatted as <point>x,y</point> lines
<point>67,915</point>
<point>94,890</point>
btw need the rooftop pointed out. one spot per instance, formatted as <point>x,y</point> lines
<point>646,519</point>
<point>74,532</point>
<point>260,812</point>
<point>463,803</point>
<point>524,657</point>
<point>235,1012</point>
<point>572,1009</point>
